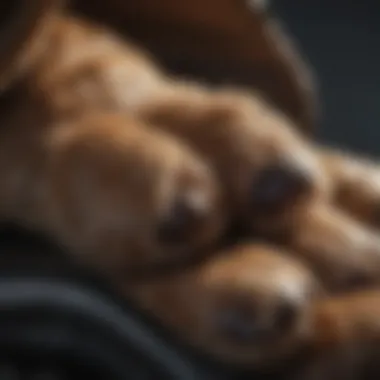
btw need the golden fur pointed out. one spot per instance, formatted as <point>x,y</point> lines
<point>344,339</point>
<point>97,179</point>
<point>82,107</point>
<point>356,184</point>
<point>240,43</point>
<point>129,167</point>
<point>248,305</point>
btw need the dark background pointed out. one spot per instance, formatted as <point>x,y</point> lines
<point>341,40</point>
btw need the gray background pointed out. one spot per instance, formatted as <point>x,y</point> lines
<point>341,39</point>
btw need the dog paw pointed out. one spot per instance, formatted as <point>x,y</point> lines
<point>247,305</point>
<point>266,167</point>
<point>123,196</point>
